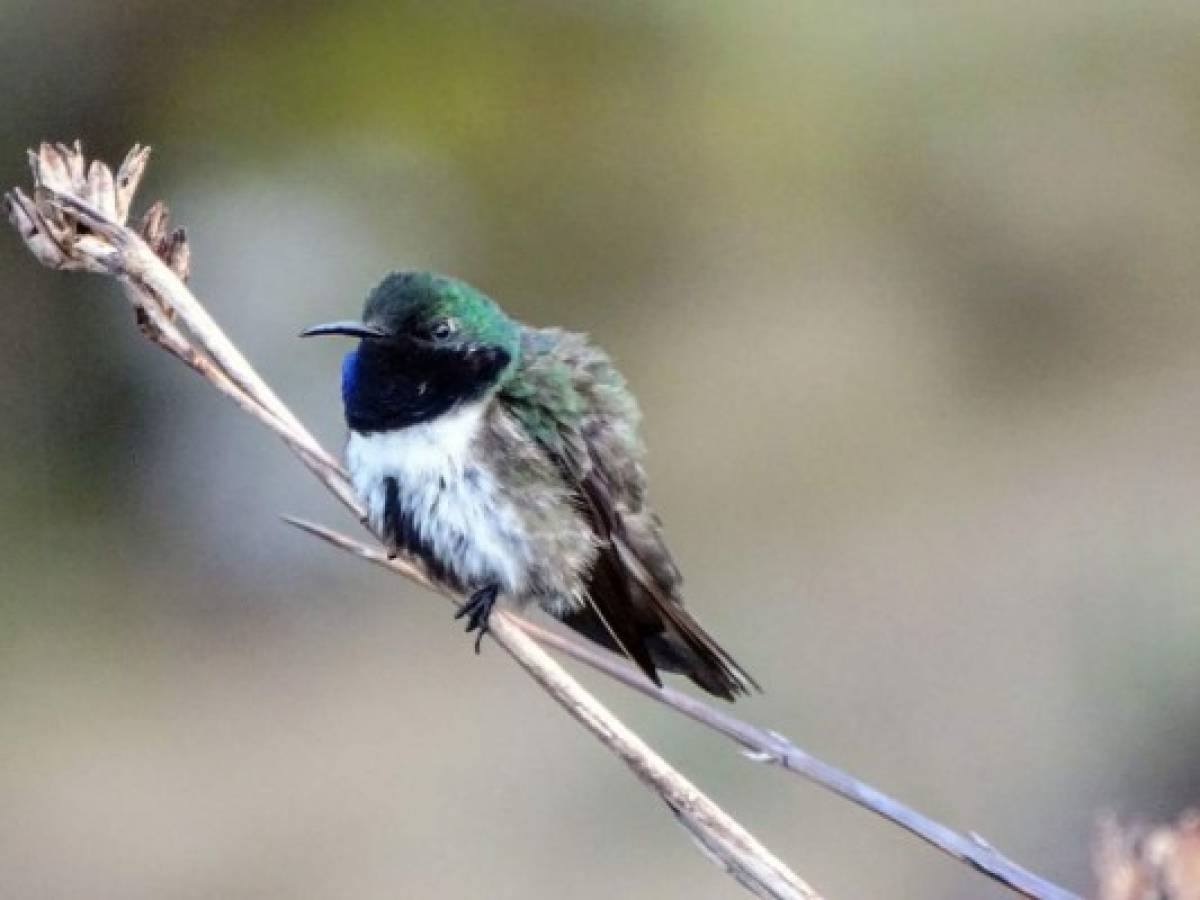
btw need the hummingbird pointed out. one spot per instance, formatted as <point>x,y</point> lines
<point>507,459</point>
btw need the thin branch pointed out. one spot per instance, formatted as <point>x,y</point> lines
<point>76,221</point>
<point>760,745</point>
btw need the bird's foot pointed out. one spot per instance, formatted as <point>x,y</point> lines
<point>478,610</point>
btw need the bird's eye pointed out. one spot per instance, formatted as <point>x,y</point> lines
<point>442,329</point>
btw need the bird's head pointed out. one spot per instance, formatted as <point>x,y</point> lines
<point>428,342</point>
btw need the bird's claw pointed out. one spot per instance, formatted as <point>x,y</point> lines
<point>478,610</point>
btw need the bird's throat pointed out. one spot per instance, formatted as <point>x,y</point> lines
<point>388,386</point>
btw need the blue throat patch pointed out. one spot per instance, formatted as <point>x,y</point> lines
<point>349,376</point>
<point>387,387</point>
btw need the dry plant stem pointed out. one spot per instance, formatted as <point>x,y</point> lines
<point>140,267</point>
<point>77,222</point>
<point>762,745</point>
<point>751,864</point>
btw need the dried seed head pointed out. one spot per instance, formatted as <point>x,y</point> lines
<point>129,176</point>
<point>24,217</point>
<point>73,157</point>
<point>100,192</point>
<point>176,255</point>
<point>51,169</point>
<point>77,215</point>
<point>154,224</point>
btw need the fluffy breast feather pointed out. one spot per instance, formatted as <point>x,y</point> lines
<point>453,508</point>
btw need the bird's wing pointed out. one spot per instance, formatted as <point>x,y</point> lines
<point>633,587</point>
<point>648,591</point>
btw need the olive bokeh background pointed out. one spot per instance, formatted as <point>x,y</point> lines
<point>907,292</point>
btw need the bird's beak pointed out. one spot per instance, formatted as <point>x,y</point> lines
<point>350,329</point>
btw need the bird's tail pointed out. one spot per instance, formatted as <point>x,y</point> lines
<point>682,646</point>
<point>685,647</point>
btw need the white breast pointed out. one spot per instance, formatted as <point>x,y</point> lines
<point>452,498</point>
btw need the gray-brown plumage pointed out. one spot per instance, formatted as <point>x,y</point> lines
<point>508,459</point>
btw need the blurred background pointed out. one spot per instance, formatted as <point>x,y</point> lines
<point>907,292</point>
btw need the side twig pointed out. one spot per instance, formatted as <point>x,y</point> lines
<point>76,222</point>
